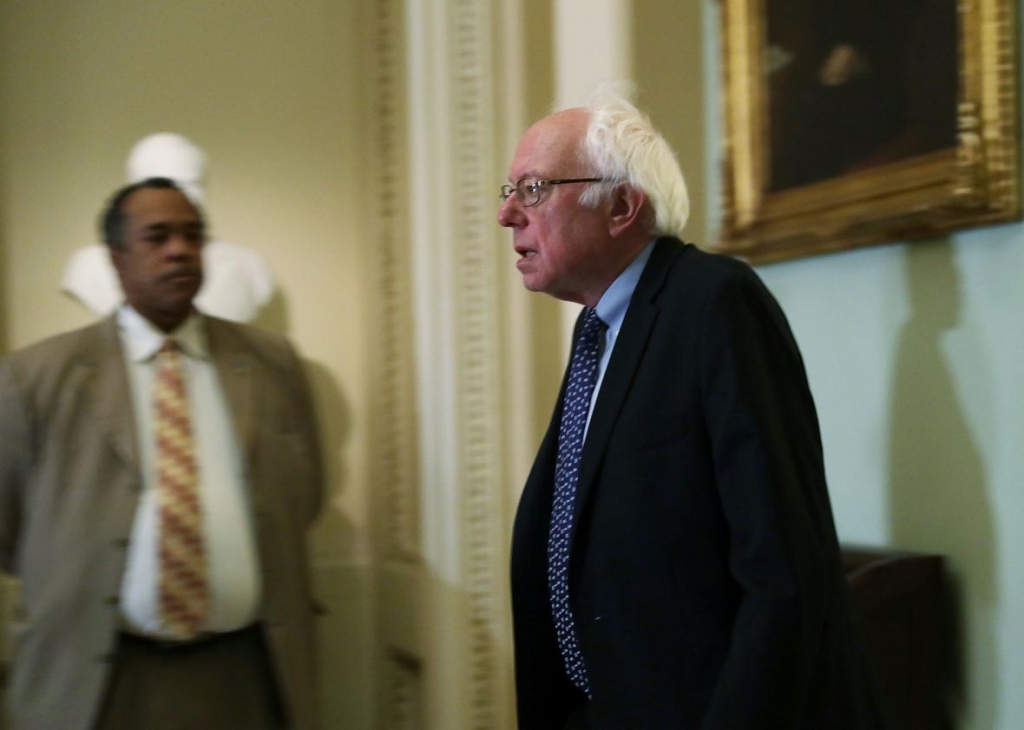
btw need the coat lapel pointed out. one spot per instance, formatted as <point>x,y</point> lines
<point>112,392</point>
<point>236,370</point>
<point>618,380</point>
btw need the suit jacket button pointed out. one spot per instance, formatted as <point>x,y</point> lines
<point>121,542</point>
<point>114,600</point>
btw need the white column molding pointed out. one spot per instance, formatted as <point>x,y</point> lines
<point>395,473</point>
<point>592,45</point>
<point>459,641</point>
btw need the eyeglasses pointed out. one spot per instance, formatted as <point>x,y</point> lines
<point>530,189</point>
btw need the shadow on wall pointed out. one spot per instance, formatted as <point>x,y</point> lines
<point>938,487</point>
<point>273,316</point>
<point>333,535</point>
<point>423,654</point>
<point>342,589</point>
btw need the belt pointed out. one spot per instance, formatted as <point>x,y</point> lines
<point>203,638</point>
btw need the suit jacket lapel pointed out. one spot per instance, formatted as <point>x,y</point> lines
<point>236,370</point>
<point>112,392</point>
<point>618,379</point>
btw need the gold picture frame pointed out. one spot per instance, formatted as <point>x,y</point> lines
<point>939,154</point>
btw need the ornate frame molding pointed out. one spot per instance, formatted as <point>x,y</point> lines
<point>974,182</point>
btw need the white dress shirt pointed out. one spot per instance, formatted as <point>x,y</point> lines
<point>232,566</point>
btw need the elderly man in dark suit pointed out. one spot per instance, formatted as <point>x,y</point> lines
<point>674,560</point>
<point>158,473</point>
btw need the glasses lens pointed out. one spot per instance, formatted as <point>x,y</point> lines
<point>506,191</point>
<point>529,189</point>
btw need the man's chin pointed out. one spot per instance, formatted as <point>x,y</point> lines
<point>182,305</point>
<point>534,283</point>
<point>182,293</point>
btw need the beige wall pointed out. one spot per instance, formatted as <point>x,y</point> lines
<point>668,67</point>
<point>270,90</point>
<point>3,287</point>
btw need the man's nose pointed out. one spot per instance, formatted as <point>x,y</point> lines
<point>183,245</point>
<point>510,213</point>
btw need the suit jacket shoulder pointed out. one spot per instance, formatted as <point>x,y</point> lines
<point>678,269</point>
<point>272,350</point>
<point>38,373</point>
<point>55,352</point>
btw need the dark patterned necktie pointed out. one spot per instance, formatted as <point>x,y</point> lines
<point>582,379</point>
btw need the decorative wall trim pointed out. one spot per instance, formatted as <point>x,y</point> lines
<point>479,357</point>
<point>404,706</point>
<point>395,432</point>
<point>440,397</point>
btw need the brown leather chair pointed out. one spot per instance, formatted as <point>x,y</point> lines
<point>906,613</point>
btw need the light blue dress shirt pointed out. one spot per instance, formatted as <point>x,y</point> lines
<point>612,309</point>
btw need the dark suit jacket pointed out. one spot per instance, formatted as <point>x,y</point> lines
<point>69,485</point>
<point>704,573</point>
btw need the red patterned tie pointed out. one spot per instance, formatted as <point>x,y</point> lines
<point>183,592</point>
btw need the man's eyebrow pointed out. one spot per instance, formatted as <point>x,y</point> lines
<point>164,225</point>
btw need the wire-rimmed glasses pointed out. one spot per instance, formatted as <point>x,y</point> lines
<point>530,189</point>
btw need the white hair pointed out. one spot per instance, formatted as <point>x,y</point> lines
<point>623,146</point>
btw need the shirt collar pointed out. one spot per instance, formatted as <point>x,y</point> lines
<point>142,338</point>
<point>612,306</point>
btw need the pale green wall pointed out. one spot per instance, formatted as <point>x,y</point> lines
<point>271,91</point>
<point>915,354</point>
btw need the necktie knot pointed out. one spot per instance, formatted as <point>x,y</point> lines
<point>593,326</point>
<point>170,346</point>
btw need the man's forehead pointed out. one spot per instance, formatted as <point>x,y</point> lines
<point>153,206</point>
<point>551,142</point>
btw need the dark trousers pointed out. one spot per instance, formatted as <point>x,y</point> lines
<point>225,681</point>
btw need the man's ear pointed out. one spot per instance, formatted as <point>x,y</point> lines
<point>627,203</point>
<point>117,254</point>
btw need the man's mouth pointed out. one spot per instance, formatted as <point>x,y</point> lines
<point>182,276</point>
